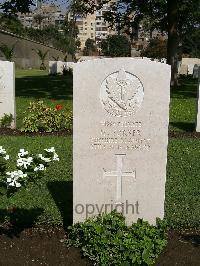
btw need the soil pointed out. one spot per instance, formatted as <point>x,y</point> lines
<point>16,132</point>
<point>47,247</point>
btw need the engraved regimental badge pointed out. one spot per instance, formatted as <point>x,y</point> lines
<point>122,94</point>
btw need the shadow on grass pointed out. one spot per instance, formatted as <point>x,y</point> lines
<point>50,87</point>
<point>188,127</point>
<point>18,220</point>
<point>186,89</point>
<point>62,193</point>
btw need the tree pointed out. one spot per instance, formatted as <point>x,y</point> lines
<point>116,46</point>
<point>157,48</point>
<point>42,56</point>
<point>70,28</point>
<point>7,51</point>
<point>90,48</point>
<point>38,18</point>
<point>176,17</point>
<point>191,44</point>
<point>12,7</point>
<point>11,24</point>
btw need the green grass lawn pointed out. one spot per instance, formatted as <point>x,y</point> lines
<point>45,201</point>
<point>183,106</point>
<point>50,200</point>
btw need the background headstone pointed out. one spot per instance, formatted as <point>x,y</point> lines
<point>183,69</point>
<point>198,104</point>
<point>52,67</point>
<point>7,90</point>
<point>121,115</point>
<point>196,71</point>
<point>190,69</point>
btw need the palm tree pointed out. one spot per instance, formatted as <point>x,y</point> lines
<point>42,56</point>
<point>7,51</point>
<point>56,58</point>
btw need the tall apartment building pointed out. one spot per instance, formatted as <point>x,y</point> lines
<point>93,26</point>
<point>42,16</point>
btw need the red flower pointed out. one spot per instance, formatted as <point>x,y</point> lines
<point>58,107</point>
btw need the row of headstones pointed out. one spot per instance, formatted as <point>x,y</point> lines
<point>121,116</point>
<point>191,69</point>
<point>57,67</point>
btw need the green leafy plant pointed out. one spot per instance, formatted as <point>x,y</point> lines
<point>42,55</point>
<point>41,117</point>
<point>6,120</point>
<point>7,51</point>
<point>107,240</point>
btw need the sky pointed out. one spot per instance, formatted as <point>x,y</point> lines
<point>62,3</point>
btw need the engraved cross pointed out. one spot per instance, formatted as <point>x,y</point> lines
<point>119,173</point>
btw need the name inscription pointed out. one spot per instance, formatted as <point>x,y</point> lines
<point>120,135</point>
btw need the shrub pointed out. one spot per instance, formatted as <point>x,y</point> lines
<point>156,49</point>
<point>40,117</point>
<point>6,120</point>
<point>107,240</point>
<point>116,46</point>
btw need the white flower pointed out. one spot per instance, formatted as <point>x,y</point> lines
<point>39,168</point>
<point>55,157</point>
<point>46,160</point>
<point>13,182</point>
<point>13,179</point>
<point>22,153</point>
<point>24,162</point>
<point>2,151</point>
<point>7,157</point>
<point>52,149</point>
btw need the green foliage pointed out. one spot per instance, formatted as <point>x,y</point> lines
<point>6,120</point>
<point>90,48</point>
<point>41,117</point>
<point>70,28</point>
<point>157,48</point>
<point>7,51</point>
<point>12,7</point>
<point>49,35</point>
<point>11,24</point>
<point>116,46</point>
<point>42,55</point>
<point>108,241</point>
<point>191,44</point>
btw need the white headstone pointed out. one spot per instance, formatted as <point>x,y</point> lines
<point>70,65</point>
<point>121,114</point>
<point>60,66</point>
<point>198,104</point>
<point>7,90</point>
<point>183,70</point>
<point>52,67</point>
<point>196,71</point>
<point>190,69</point>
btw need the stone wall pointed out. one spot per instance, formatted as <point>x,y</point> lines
<point>24,56</point>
